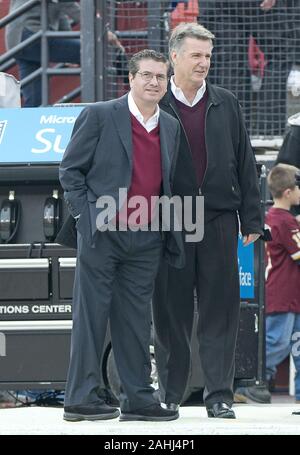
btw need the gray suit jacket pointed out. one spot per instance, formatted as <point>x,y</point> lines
<point>98,161</point>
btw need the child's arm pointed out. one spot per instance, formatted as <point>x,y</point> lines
<point>289,235</point>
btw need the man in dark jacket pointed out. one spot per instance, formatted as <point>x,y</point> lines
<point>215,160</point>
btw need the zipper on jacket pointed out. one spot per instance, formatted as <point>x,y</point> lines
<point>200,188</point>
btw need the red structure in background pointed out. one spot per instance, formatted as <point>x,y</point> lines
<point>59,85</point>
<point>185,12</point>
<point>134,17</point>
<point>129,17</point>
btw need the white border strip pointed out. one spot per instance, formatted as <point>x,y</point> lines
<point>24,263</point>
<point>8,326</point>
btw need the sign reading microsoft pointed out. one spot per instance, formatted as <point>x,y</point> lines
<point>35,135</point>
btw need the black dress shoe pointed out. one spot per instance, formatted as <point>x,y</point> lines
<point>221,411</point>
<point>172,406</point>
<point>258,393</point>
<point>92,411</point>
<point>154,413</point>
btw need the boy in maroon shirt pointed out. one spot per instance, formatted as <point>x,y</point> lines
<point>283,273</point>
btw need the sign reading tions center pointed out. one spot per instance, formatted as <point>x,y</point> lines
<point>35,135</point>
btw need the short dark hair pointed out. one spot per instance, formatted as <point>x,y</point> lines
<point>281,178</point>
<point>145,54</point>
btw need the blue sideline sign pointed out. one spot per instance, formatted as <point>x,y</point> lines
<point>35,135</point>
<point>246,270</point>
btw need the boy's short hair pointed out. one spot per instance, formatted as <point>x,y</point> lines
<point>281,178</point>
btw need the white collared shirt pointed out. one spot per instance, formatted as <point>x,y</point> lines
<point>179,95</point>
<point>151,123</point>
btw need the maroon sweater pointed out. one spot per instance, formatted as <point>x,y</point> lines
<point>193,120</point>
<point>146,170</point>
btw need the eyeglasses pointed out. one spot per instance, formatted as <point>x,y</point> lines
<point>147,76</point>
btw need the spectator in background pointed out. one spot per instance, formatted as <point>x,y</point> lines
<point>289,152</point>
<point>283,272</point>
<point>272,26</point>
<point>283,277</point>
<point>61,50</point>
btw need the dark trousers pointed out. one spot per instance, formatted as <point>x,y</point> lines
<point>29,60</point>
<point>213,268</point>
<point>115,281</point>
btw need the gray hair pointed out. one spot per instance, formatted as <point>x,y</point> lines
<point>188,30</point>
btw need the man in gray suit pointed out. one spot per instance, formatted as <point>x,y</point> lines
<point>127,144</point>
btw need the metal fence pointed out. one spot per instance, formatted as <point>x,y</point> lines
<point>45,71</point>
<point>255,53</point>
